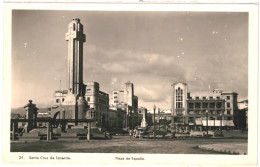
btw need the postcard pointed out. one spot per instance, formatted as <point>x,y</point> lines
<point>137,83</point>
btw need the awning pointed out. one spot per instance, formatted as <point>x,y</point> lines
<point>198,122</point>
<point>227,123</point>
<point>218,122</point>
<point>210,122</point>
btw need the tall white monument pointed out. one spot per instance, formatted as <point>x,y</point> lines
<point>75,38</point>
<point>75,105</point>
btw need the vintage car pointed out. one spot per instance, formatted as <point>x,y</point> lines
<point>197,133</point>
<point>201,133</point>
<point>138,133</point>
<point>210,133</point>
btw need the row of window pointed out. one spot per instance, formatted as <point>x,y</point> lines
<point>210,98</point>
<point>191,119</point>
<point>179,104</point>
<point>58,100</point>
<point>179,98</point>
<point>205,98</point>
<point>210,112</point>
<point>206,105</point>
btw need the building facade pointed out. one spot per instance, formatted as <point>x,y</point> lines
<point>126,100</point>
<point>99,101</point>
<point>96,99</point>
<point>241,115</point>
<point>125,96</point>
<point>198,110</point>
<point>59,97</point>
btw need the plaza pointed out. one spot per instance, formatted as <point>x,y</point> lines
<point>125,144</point>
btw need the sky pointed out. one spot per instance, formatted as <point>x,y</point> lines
<point>206,50</point>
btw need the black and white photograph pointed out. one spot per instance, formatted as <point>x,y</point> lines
<point>129,84</point>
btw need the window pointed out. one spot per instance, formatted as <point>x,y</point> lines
<point>115,97</point>
<point>57,100</point>
<point>88,98</point>
<point>211,105</point>
<point>88,90</point>
<point>179,98</point>
<point>211,98</point>
<point>197,98</point>
<point>115,93</point>
<point>197,105</point>
<point>228,111</point>
<point>228,105</point>
<point>204,105</point>
<point>204,98</point>
<point>178,104</point>
<point>62,99</point>
<point>218,97</point>
<point>229,118</point>
<point>191,105</point>
<point>219,104</point>
<point>228,97</point>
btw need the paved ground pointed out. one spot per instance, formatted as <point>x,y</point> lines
<point>235,134</point>
<point>235,148</point>
<point>123,144</point>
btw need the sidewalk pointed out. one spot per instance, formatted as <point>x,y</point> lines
<point>235,148</point>
<point>235,134</point>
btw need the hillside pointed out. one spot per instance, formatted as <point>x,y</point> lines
<point>22,111</point>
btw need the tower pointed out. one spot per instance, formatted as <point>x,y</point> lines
<point>129,93</point>
<point>178,102</point>
<point>75,105</point>
<point>75,38</point>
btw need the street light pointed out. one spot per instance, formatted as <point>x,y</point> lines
<point>159,117</point>
<point>154,108</point>
<point>207,121</point>
<point>221,124</point>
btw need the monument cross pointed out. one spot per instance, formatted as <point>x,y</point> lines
<point>75,38</point>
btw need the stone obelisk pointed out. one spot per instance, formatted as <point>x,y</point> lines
<point>75,38</point>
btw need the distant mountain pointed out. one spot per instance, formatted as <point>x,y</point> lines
<point>19,110</point>
<point>22,111</point>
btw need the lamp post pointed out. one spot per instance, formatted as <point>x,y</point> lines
<point>132,115</point>
<point>159,117</point>
<point>221,124</point>
<point>126,115</point>
<point>154,108</point>
<point>207,121</point>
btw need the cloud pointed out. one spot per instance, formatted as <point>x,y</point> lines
<point>115,68</point>
<point>151,58</point>
<point>152,92</point>
<point>113,81</point>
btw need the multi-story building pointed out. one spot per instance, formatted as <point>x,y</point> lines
<point>99,101</point>
<point>59,96</point>
<point>241,115</point>
<point>196,110</point>
<point>125,96</point>
<point>127,99</point>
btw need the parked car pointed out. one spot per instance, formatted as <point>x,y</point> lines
<point>138,133</point>
<point>197,133</point>
<point>210,133</point>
